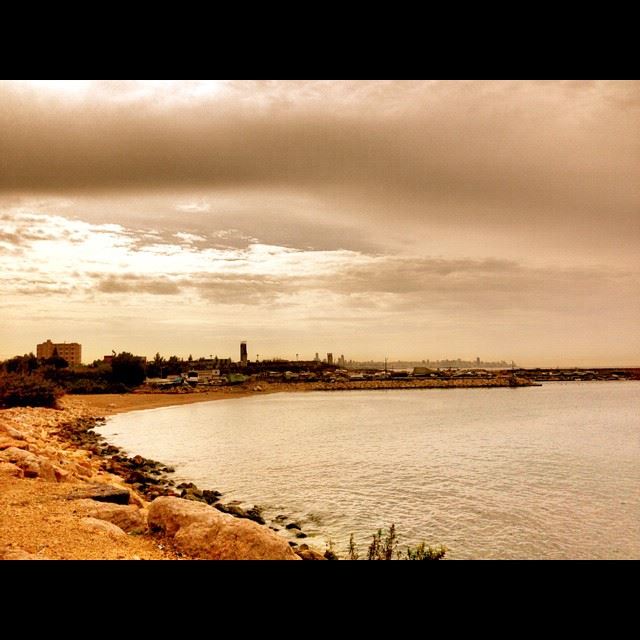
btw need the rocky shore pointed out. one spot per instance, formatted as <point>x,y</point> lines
<point>66,494</point>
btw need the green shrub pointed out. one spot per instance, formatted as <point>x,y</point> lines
<point>384,546</point>
<point>20,390</point>
<point>352,551</point>
<point>424,552</point>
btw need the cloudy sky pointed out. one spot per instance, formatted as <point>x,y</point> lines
<point>401,219</point>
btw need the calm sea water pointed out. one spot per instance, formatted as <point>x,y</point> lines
<point>539,472</point>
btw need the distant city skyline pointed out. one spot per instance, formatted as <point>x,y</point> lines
<point>46,350</point>
<point>407,219</point>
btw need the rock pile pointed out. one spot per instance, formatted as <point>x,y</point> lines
<point>107,490</point>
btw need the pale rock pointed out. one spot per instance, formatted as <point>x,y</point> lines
<point>128,517</point>
<point>62,475</point>
<point>203,532</point>
<point>169,514</point>
<point>15,434</point>
<point>9,470</point>
<point>101,526</point>
<point>32,465</point>
<point>83,469</point>
<point>102,493</point>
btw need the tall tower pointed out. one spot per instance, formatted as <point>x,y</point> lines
<point>329,358</point>
<point>243,353</point>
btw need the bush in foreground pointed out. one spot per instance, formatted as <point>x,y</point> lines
<point>385,547</point>
<point>20,390</point>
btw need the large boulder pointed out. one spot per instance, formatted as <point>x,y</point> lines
<point>170,514</point>
<point>128,517</point>
<point>204,532</point>
<point>101,493</point>
<point>33,466</point>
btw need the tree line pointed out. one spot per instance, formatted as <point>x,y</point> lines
<point>30,381</point>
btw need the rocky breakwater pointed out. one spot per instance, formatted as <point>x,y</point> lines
<point>403,383</point>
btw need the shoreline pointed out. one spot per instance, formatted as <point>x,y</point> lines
<point>104,405</point>
<point>66,493</point>
<point>48,455</point>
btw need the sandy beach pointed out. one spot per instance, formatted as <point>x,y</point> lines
<point>111,403</point>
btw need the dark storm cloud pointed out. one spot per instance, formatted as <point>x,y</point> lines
<point>569,148</point>
<point>482,286</point>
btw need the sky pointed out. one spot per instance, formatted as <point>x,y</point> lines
<point>400,219</point>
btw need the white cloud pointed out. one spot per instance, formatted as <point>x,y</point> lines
<point>189,238</point>
<point>167,92</point>
<point>194,207</point>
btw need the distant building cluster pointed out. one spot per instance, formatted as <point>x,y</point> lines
<point>211,371</point>
<point>70,351</point>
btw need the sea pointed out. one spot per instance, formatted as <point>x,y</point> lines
<point>549,472</point>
